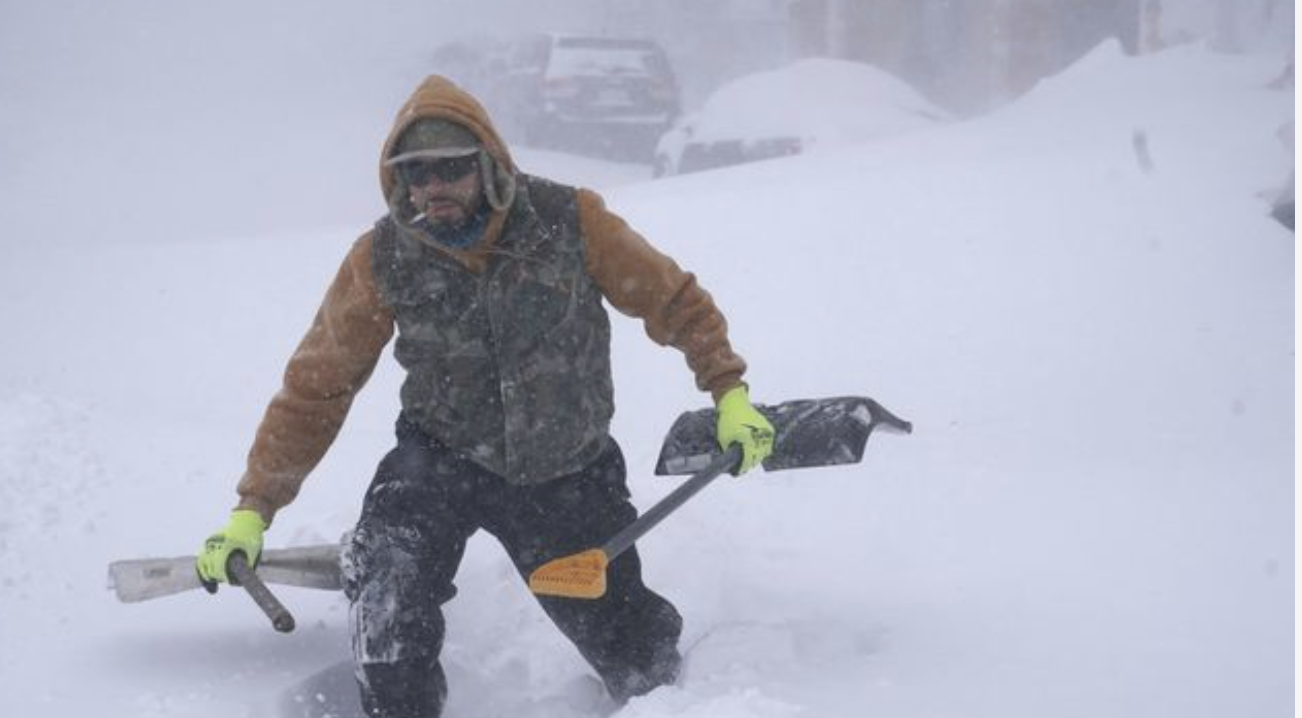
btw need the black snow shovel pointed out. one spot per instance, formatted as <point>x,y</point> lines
<point>807,433</point>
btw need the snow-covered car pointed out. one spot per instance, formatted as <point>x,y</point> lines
<point>616,96</point>
<point>807,105</point>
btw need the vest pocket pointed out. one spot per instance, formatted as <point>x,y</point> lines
<point>534,308</point>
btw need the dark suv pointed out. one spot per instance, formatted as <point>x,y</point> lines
<point>610,96</point>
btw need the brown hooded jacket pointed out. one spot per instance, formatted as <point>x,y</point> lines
<point>343,345</point>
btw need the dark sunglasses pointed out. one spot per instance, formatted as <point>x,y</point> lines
<point>418,173</point>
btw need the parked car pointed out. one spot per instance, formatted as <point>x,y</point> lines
<point>810,104</point>
<point>474,61</point>
<point>610,96</point>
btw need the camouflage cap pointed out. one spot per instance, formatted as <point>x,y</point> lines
<point>434,139</point>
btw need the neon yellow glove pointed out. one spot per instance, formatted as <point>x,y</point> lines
<point>740,423</point>
<point>242,533</point>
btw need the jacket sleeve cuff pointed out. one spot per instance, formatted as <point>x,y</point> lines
<point>263,507</point>
<point>725,385</point>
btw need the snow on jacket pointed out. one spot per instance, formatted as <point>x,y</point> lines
<point>354,323</point>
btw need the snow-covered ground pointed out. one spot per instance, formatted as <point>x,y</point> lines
<point>1094,516</point>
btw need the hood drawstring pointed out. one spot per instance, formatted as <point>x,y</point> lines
<point>499,185</point>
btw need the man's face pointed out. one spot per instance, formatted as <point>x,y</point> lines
<point>447,191</point>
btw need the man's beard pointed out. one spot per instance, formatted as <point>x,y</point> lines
<point>458,233</point>
<point>439,221</point>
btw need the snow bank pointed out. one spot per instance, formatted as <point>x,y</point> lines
<point>827,103</point>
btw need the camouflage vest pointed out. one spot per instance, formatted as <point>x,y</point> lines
<point>510,367</point>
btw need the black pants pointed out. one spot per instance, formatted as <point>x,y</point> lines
<point>423,505</point>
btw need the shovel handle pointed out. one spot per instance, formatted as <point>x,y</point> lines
<point>237,567</point>
<point>723,464</point>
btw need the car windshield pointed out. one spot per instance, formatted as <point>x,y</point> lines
<point>589,57</point>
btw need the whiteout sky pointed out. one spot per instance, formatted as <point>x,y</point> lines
<point>219,111</point>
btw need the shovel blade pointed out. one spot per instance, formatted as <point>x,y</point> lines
<point>807,433</point>
<point>581,575</point>
<point>142,579</point>
<point>307,566</point>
